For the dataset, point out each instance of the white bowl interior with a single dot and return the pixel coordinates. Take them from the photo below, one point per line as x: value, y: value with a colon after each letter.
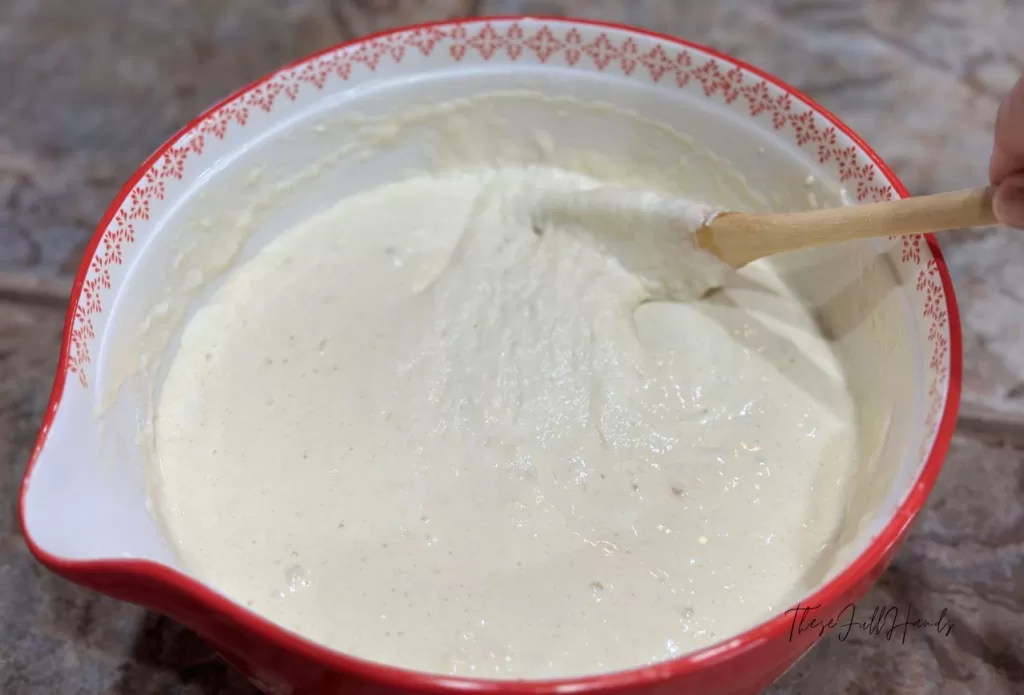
x: 87, y: 497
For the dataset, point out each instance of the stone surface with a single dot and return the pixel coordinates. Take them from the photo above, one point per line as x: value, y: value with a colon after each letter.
x: 87, y: 90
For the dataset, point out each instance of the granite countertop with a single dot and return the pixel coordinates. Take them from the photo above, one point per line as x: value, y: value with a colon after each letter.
x: 88, y: 90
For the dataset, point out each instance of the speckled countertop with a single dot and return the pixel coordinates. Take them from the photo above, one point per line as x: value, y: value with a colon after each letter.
x: 89, y: 89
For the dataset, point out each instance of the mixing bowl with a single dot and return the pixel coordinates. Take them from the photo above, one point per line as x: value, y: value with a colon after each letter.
x: 175, y: 226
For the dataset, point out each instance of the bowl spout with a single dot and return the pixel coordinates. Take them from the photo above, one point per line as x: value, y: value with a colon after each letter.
x: 84, y: 494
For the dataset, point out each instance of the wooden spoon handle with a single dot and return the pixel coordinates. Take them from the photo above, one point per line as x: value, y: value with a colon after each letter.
x: 738, y: 238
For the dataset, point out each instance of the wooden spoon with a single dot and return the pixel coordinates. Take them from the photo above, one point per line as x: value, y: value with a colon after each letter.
x: 739, y: 238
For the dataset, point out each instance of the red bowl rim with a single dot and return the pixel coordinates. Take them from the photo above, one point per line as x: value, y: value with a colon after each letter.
x: 93, y: 572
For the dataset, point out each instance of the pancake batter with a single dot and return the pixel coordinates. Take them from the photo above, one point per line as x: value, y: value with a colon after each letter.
x: 441, y: 428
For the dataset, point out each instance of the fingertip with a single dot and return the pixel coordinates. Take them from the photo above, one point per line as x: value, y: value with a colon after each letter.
x: 1008, y: 202
x: 1008, y: 151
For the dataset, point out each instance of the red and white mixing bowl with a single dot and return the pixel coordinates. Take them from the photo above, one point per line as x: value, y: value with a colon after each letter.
x: 889, y: 303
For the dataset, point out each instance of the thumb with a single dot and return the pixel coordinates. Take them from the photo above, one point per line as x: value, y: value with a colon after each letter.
x: 1008, y: 201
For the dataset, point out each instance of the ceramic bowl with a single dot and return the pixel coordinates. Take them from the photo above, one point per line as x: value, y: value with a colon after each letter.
x: 889, y: 305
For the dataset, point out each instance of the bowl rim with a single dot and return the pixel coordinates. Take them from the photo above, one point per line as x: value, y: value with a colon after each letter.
x: 98, y: 572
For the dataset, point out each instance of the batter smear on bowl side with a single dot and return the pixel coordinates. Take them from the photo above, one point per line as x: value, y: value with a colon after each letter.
x: 432, y: 428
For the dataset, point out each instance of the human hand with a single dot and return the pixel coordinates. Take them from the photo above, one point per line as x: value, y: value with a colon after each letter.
x: 1006, y: 168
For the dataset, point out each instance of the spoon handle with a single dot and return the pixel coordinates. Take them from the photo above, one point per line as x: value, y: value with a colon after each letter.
x: 738, y: 238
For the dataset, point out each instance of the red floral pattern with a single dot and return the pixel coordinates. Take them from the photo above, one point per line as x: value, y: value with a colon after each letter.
x: 585, y: 48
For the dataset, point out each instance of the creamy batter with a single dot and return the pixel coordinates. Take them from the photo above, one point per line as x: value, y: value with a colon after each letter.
x: 442, y: 427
